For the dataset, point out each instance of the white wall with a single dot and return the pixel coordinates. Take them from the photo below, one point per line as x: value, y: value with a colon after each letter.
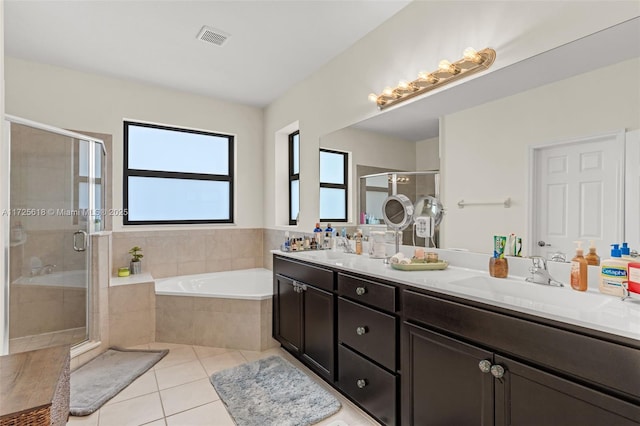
x: 485, y: 155
x: 417, y: 37
x: 83, y: 101
x: 428, y: 154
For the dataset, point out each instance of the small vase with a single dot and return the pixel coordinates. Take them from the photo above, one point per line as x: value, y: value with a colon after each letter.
x: 136, y: 267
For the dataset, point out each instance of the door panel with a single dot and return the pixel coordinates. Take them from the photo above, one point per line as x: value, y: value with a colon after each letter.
x: 579, y: 194
x: 527, y: 396
x: 318, y: 330
x: 632, y: 189
x: 288, y: 328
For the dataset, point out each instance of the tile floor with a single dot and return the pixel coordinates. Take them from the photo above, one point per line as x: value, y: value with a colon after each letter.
x: 177, y: 392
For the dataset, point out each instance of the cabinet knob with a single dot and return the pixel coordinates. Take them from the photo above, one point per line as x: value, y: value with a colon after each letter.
x: 497, y: 371
x: 361, y: 383
x: 361, y: 331
x: 485, y: 366
x: 360, y: 291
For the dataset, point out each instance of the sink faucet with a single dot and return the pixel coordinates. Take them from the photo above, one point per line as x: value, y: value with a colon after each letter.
x: 42, y: 270
x: 540, y: 274
x: 344, y: 243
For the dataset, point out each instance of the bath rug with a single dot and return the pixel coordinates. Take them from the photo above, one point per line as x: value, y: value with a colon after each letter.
x: 103, y: 377
x: 271, y: 391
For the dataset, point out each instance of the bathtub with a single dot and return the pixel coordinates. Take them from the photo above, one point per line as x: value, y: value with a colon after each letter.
x: 74, y: 279
x: 246, y: 284
x: 230, y: 309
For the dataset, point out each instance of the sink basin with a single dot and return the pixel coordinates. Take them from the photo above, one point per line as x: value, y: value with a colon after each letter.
x: 525, y: 294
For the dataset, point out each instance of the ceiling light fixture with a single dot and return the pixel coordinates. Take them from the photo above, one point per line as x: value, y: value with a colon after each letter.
x: 471, y: 63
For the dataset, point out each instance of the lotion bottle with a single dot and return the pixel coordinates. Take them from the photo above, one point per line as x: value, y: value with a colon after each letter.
x: 579, y: 269
x: 613, y: 272
x: 592, y: 257
x: 359, y: 242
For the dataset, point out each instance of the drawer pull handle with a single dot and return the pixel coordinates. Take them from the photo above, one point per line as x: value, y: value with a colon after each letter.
x: 361, y: 383
x: 360, y: 331
x: 497, y: 371
x: 360, y: 291
x: 485, y: 366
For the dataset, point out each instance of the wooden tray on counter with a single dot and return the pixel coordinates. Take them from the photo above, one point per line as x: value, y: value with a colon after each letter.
x: 437, y: 266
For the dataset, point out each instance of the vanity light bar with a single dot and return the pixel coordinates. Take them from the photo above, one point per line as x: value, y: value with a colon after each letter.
x: 471, y: 63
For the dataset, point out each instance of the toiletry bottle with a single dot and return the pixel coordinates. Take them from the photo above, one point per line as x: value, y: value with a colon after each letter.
x: 579, y: 269
x: 359, y: 243
x: 626, y: 252
x: 613, y: 272
x: 329, y: 228
x: 317, y: 235
x: 592, y: 257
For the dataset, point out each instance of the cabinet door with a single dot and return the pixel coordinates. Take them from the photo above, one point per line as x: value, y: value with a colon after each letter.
x: 528, y: 396
x: 287, y: 314
x: 319, y: 337
x: 442, y: 381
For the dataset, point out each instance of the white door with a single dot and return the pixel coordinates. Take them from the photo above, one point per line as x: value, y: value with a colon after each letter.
x: 632, y: 190
x: 578, y: 195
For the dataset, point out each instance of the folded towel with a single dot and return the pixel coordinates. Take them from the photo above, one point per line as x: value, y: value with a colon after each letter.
x: 396, y: 258
x: 405, y: 261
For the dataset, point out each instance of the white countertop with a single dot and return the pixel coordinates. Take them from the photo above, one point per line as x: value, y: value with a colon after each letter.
x: 589, y: 309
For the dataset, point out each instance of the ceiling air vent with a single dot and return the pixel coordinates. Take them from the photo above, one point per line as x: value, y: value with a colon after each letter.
x: 212, y: 35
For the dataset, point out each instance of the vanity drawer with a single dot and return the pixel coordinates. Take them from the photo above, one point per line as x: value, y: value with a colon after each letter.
x: 308, y: 274
x: 371, y: 293
x: 369, y: 385
x: 370, y: 332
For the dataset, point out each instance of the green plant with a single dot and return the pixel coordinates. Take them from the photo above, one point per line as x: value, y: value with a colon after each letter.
x: 135, y: 254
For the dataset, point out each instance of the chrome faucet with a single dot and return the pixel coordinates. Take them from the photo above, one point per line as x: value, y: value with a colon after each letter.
x: 344, y: 243
x: 540, y: 274
x: 42, y: 270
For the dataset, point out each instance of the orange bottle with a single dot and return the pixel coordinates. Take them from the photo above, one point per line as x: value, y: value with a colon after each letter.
x: 579, y: 269
x: 592, y: 257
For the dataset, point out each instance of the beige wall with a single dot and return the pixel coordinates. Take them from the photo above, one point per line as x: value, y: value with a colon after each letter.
x: 416, y: 37
x: 486, y: 149
x: 428, y: 154
x: 4, y: 189
x: 78, y: 100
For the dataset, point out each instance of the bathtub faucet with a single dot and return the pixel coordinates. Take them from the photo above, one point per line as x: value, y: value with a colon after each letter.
x: 42, y: 270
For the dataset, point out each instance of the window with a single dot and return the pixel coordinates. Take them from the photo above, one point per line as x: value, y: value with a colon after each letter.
x: 333, y: 186
x: 294, y: 177
x: 176, y: 176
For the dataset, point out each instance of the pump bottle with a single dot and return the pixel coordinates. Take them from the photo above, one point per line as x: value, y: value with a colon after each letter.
x: 592, y: 257
x: 579, y: 269
x: 613, y: 272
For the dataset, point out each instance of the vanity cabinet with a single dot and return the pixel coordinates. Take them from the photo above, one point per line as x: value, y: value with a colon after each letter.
x: 303, y: 314
x: 367, y: 345
x: 515, y: 374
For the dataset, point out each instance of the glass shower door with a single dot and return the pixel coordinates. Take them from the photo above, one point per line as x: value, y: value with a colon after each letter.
x: 52, y: 206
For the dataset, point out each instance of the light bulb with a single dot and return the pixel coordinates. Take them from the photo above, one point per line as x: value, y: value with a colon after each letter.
x: 388, y: 91
x: 403, y: 85
x: 470, y: 54
x: 444, y: 65
x: 373, y: 97
x: 423, y: 75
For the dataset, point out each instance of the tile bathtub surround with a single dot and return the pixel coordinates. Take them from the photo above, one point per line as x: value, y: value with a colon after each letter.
x: 177, y: 391
x: 132, y: 314
x: 172, y: 253
x: 210, y: 321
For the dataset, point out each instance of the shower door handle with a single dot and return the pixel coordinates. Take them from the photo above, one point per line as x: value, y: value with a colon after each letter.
x: 83, y: 245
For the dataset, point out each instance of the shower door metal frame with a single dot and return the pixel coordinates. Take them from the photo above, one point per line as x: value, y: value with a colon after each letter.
x: 5, y: 159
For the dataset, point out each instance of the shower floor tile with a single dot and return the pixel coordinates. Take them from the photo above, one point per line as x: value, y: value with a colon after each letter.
x: 186, y: 398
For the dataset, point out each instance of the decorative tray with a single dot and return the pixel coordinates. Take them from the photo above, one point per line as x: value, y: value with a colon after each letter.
x: 421, y: 266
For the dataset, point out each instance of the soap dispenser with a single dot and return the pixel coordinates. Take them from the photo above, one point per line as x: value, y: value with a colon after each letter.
x: 592, y: 257
x: 579, y: 269
x: 613, y: 272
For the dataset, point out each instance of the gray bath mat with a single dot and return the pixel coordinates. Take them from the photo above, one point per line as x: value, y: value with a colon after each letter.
x: 271, y: 392
x: 103, y: 377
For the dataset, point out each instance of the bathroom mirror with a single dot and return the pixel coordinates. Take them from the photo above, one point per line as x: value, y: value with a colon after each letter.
x: 429, y: 207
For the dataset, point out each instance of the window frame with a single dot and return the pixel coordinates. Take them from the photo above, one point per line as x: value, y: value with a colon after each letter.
x: 345, y: 186
x: 293, y: 176
x: 127, y: 172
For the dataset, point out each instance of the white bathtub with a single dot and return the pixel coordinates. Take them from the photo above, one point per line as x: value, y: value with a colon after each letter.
x: 75, y: 279
x: 247, y: 284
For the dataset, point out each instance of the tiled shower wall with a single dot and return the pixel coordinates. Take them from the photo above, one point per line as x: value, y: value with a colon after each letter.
x: 186, y: 252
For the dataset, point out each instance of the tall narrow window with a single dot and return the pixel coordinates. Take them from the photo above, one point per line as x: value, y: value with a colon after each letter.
x: 333, y: 185
x: 294, y: 177
x: 175, y: 176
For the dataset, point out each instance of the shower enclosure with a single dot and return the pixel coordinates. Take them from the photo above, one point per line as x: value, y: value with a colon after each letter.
x: 55, y: 200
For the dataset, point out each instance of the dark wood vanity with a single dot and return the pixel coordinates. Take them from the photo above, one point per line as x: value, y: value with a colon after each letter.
x: 410, y: 356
